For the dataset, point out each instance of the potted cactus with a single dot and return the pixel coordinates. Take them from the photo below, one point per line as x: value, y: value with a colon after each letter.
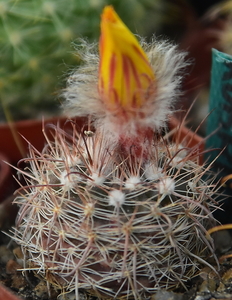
x: 117, y: 208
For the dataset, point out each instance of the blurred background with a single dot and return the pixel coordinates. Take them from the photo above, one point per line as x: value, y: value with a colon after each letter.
x: 37, y: 39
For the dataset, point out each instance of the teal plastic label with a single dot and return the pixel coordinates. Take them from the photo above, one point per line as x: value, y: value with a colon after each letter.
x: 219, y: 124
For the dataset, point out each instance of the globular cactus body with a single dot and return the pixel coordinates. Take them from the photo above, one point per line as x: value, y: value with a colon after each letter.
x: 96, y: 219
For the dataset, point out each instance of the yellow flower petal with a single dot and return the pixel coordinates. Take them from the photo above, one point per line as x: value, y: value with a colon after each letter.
x: 125, y: 74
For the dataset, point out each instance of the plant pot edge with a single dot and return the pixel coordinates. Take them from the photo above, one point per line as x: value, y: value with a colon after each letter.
x: 7, y: 294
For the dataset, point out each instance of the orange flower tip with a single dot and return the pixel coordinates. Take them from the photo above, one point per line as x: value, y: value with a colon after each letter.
x: 109, y: 14
x: 125, y: 74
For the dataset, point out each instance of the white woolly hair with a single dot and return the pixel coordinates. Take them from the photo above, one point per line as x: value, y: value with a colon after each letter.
x: 82, y: 98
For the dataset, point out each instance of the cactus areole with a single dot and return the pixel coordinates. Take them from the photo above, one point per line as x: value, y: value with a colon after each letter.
x: 117, y: 210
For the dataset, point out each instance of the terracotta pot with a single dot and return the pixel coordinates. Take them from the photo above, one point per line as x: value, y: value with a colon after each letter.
x: 14, y: 145
x: 15, y: 139
x: 15, y: 136
x: 5, y: 175
x: 188, y: 138
x: 6, y: 294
